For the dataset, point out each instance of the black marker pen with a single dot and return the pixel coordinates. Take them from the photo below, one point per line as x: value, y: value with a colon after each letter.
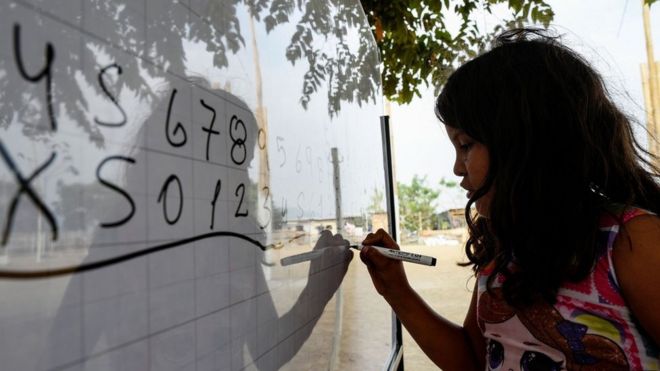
x: 390, y: 253
x: 401, y: 255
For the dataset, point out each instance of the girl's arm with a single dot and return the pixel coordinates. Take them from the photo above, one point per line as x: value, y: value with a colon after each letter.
x: 636, y: 259
x: 449, y: 346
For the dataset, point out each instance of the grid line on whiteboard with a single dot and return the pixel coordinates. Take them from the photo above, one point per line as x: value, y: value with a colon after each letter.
x: 151, y: 334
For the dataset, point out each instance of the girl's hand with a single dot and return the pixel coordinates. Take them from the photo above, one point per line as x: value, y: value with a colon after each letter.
x: 387, y: 274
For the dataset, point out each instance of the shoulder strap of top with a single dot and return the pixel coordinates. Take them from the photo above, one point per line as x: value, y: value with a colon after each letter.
x: 617, y: 213
x: 611, y: 225
x: 632, y: 212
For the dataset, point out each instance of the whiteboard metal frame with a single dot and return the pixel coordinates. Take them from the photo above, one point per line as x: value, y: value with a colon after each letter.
x: 395, y: 361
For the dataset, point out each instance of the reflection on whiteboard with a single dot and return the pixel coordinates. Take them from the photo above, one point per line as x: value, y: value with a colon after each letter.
x: 158, y: 159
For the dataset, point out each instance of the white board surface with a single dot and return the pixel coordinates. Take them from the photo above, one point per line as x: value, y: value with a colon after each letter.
x: 160, y: 158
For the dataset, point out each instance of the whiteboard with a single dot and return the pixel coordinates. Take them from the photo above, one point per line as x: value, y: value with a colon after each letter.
x: 160, y: 158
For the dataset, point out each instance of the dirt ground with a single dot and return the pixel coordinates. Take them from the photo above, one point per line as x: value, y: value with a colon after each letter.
x: 447, y: 289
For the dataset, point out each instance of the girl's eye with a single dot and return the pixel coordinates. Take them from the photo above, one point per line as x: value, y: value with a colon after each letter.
x: 465, y: 146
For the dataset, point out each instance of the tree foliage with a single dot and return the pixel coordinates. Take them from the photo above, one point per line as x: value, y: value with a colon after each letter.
x: 376, y: 202
x: 416, y: 204
x: 412, y: 35
x: 417, y: 47
x: 448, y: 184
x: 348, y: 71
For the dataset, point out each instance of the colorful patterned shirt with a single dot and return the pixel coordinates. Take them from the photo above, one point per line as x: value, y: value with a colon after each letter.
x: 588, y: 328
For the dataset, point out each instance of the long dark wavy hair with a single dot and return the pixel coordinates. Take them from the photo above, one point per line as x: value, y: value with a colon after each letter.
x: 561, y: 153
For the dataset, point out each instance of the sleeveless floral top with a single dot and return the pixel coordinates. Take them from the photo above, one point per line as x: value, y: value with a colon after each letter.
x: 588, y: 328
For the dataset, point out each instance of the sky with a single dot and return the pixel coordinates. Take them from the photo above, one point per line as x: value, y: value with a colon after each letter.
x: 609, y: 33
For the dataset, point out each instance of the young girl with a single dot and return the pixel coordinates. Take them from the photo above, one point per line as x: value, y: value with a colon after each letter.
x: 565, y: 241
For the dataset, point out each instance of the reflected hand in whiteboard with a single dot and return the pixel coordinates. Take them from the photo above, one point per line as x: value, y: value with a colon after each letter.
x: 328, y: 271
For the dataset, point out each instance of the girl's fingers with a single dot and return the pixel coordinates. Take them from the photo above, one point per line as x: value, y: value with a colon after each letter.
x: 373, y: 258
x: 373, y: 238
x: 380, y: 238
x: 364, y: 259
x: 388, y: 242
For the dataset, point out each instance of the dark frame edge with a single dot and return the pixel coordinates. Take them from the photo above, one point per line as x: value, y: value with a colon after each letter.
x: 395, y: 361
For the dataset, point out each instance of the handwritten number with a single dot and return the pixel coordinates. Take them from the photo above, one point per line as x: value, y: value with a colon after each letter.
x: 301, y: 211
x: 218, y: 185
x: 285, y: 211
x: 308, y: 155
x: 46, y: 72
x: 162, y: 196
x: 209, y: 130
x: 267, y: 208
x: 298, y: 162
x: 238, y: 148
x: 280, y: 148
x: 111, y: 97
x: 238, y: 213
x: 177, y: 128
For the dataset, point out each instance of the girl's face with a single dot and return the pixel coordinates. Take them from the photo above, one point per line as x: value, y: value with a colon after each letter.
x: 471, y: 163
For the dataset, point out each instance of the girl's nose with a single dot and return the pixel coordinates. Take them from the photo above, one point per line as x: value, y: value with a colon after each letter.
x: 459, y: 169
